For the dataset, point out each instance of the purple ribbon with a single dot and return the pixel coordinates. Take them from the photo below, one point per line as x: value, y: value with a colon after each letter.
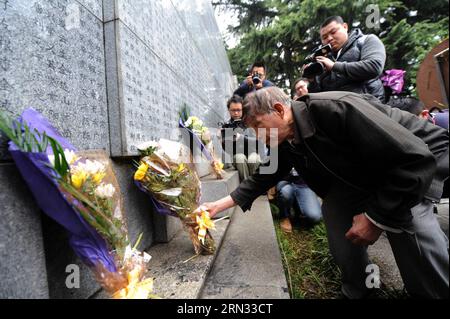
x: 35, y: 170
x: 199, y: 143
x: 394, y: 79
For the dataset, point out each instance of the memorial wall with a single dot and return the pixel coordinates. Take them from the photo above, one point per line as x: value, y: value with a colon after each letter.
x: 109, y: 75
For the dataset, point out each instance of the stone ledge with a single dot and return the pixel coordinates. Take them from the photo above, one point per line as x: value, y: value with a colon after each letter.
x: 249, y: 264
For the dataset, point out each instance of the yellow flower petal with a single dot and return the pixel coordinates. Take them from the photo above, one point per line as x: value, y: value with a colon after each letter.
x: 135, y: 289
x: 141, y: 171
x: 97, y: 178
x: 218, y: 166
x: 78, y: 179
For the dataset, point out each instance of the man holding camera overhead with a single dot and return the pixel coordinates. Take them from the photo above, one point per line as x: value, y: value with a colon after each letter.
x: 346, y: 61
x: 255, y: 80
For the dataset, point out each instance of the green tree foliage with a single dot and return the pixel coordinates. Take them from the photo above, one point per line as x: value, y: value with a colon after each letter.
x: 407, y: 45
x: 283, y: 32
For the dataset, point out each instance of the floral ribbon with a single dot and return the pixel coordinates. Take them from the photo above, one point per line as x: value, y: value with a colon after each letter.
x: 204, y: 223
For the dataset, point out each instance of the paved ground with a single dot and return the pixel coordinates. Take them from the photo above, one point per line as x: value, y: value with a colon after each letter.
x: 381, y: 253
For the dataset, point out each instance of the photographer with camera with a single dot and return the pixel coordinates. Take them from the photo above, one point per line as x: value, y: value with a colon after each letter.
x: 255, y: 80
x: 244, y: 153
x: 346, y: 62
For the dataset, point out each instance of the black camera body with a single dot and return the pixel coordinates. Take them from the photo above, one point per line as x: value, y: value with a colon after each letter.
x: 313, y: 67
x: 233, y: 124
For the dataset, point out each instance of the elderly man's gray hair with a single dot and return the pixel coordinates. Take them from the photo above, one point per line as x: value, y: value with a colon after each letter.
x: 262, y: 102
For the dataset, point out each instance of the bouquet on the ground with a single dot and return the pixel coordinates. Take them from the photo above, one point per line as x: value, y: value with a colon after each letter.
x: 202, y: 139
x: 80, y: 192
x: 175, y: 189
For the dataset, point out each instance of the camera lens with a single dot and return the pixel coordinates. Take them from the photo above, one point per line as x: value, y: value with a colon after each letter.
x: 256, y: 79
x: 313, y: 69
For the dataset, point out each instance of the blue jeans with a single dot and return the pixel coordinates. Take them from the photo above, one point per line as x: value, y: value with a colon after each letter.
x: 301, y: 197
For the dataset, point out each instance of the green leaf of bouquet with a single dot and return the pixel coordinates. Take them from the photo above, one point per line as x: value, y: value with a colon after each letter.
x: 6, y: 127
x: 64, y: 164
x: 57, y: 164
x: 114, y: 234
x: 18, y: 134
x: 138, y: 241
x: 44, y: 144
x: 184, y: 112
x: 35, y: 141
x: 61, y: 165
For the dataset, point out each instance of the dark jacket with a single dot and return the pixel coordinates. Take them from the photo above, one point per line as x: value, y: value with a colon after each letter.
x: 244, y: 88
x: 395, y: 158
x: 357, y: 69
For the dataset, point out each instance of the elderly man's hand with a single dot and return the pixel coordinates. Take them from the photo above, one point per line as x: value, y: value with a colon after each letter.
x: 212, y: 208
x: 215, y: 207
x: 326, y: 62
x: 363, y: 232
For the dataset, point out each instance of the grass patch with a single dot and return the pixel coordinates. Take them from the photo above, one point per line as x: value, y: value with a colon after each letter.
x: 310, y: 270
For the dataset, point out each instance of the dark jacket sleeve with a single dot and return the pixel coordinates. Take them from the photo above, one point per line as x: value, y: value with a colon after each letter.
x: 259, y: 183
x: 403, y: 163
x: 314, y: 86
x: 242, y: 90
x: 267, y: 83
x: 370, y: 65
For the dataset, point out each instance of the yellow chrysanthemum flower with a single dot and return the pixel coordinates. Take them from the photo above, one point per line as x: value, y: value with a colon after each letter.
x: 98, y: 177
x: 141, y: 171
x: 78, y: 179
x: 218, y: 165
x: 181, y: 167
x: 135, y: 289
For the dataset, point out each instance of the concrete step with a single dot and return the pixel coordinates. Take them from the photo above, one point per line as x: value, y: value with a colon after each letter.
x: 249, y: 263
x: 175, y: 277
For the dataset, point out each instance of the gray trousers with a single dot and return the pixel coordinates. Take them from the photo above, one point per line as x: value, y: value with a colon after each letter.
x: 246, y: 166
x: 422, y: 257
